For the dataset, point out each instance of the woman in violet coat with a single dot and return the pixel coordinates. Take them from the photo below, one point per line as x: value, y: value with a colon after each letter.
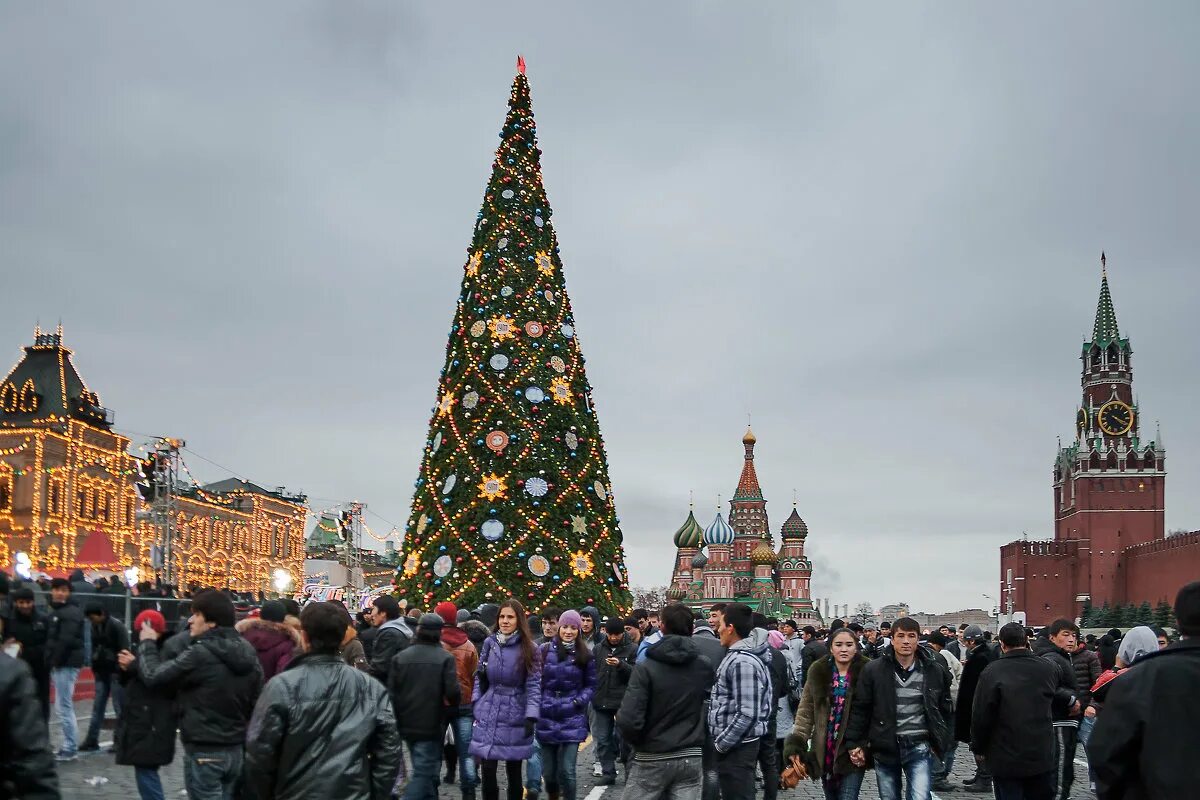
x: 568, y: 683
x: 508, y: 694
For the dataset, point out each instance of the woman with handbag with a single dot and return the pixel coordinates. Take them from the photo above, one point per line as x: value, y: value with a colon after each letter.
x: 568, y: 684
x: 508, y: 696
x: 817, y: 736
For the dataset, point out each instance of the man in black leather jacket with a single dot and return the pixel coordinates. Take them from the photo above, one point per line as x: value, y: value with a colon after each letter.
x: 321, y: 727
x: 26, y: 763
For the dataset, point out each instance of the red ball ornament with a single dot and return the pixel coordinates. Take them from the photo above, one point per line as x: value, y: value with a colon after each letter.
x: 520, y: 574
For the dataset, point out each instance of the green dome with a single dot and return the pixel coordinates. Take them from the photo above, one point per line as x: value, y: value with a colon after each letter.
x: 690, y: 534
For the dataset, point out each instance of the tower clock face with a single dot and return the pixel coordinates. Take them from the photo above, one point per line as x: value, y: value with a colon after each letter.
x: 1116, y: 418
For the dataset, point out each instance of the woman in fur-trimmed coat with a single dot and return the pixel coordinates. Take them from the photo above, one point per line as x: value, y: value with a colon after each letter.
x: 275, y: 642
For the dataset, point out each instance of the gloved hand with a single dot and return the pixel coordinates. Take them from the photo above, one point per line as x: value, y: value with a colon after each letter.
x: 794, y: 745
x: 529, y: 723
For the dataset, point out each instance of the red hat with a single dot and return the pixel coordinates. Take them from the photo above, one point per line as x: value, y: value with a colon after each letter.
x: 156, y: 620
x: 447, y: 611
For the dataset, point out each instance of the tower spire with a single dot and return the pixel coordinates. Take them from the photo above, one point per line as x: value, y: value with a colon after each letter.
x: 1105, y: 328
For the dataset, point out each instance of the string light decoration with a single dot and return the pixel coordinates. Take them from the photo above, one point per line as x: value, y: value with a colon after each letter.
x: 513, y: 485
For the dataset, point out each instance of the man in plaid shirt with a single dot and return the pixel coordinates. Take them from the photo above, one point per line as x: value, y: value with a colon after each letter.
x: 740, y: 706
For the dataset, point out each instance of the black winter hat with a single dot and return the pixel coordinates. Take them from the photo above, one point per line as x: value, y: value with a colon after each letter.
x: 614, y: 625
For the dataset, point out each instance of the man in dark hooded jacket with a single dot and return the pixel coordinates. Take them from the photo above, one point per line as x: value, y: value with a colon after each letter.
x: 979, y: 655
x: 1056, y: 646
x: 65, y: 654
x: 218, y: 679
x: 615, y: 657
x: 1143, y: 745
x: 662, y: 715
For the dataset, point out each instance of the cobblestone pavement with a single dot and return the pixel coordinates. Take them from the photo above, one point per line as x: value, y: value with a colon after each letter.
x: 97, y: 776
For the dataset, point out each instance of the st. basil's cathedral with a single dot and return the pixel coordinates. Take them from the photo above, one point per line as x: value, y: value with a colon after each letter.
x: 741, y: 564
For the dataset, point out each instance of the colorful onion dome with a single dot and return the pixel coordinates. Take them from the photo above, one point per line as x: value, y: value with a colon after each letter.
x: 676, y: 593
x: 719, y: 531
x: 700, y: 560
x: 690, y: 534
x: 794, y: 527
x: 762, y: 553
x: 749, y: 438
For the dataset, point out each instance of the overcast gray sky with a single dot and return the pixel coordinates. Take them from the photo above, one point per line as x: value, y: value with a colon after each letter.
x: 875, y: 227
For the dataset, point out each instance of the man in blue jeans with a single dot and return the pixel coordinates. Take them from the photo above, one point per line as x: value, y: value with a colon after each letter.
x: 109, y: 638
x: 217, y: 678
x: 423, y: 685
x: 65, y: 656
x: 902, y: 714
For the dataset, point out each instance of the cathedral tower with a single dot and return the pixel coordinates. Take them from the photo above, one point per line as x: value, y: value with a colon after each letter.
x: 748, y: 518
x: 1108, y: 483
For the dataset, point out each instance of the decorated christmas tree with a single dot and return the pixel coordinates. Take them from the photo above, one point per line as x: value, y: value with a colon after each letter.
x: 513, y: 496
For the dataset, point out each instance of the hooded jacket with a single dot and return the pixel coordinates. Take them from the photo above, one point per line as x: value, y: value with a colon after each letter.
x: 663, y: 710
x: 977, y: 660
x: 394, y: 635
x: 33, y: 632
x: 741, y: 702
x: 1143, y: 744
x: 422, y: 682
x: 1087, y: 671
x: 145, y: 735
x: 477, y: 632
x: 812, y: 715
x: 26, y: 762
x: 466, y: 659
x: 1011, y: 719
x: 708, y: 645
x: 597, y: 629
x: 612, y: 681
x: 108, y: 638
x: 513, y: 695
x: 276, y: 643
x: 567, y: 689
x: 64, y: 644
x: 872, y: 720
x: 217, y: 679
x: 1067, y: 693
x: 322, y: 729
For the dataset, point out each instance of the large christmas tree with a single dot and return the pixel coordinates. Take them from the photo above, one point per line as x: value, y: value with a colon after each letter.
x: 513, y: 497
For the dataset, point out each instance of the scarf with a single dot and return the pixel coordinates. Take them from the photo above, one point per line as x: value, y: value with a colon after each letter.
x: 839, y: 687
x: 503, y: 638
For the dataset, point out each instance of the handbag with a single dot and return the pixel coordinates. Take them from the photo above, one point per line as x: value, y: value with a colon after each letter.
x: 794, y: 773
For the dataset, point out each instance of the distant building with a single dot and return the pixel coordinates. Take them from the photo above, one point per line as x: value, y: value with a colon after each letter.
x: 69, y: 492
x: 741, y: 565
x: 1109, y: 501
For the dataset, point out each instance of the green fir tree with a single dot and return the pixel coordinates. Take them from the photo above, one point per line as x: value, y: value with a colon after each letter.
x: 1162, y: 614
x: 1104, y: 616
x: 1145, y: 614
x: 1086, y: 615
x: 513, y: 496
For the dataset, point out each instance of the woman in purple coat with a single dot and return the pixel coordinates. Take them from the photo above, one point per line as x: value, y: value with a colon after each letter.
x: 568, y: 683
x: 508, y: 693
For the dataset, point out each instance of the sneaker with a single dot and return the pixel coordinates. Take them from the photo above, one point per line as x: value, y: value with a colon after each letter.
x: 983, y: 786
x: 64, y: 756
x: 942, y: 785
x: 597, y: 770
x: 89, y: 747
x: 606, y: 780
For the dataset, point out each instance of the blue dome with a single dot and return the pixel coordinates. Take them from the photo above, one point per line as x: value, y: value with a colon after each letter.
x: 719, y: 532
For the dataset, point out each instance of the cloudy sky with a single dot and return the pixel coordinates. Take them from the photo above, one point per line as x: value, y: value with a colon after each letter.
x: 875, y: 228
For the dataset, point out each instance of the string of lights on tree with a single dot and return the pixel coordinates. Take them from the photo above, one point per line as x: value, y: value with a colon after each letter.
x: 513, y: 496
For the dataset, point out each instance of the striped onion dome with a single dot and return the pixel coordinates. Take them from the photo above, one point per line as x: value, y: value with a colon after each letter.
x: 719, y: 531
x: 762, y: 553
x: 675, y: 593
x: 794, y: 527
x: 690, y: 534
x: 700, y: 560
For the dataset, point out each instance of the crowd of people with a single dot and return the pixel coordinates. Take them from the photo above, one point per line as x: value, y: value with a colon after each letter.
x: 299, y: 703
